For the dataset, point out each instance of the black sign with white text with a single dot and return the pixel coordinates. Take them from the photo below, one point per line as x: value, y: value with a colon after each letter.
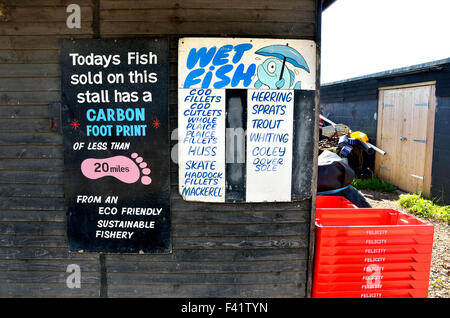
x: 115, y: 123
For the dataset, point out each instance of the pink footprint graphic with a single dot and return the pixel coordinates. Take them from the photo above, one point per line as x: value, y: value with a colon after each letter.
x: 122, y: 168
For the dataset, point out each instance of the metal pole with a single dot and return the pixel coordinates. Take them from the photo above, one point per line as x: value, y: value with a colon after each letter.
x: 368, y: 143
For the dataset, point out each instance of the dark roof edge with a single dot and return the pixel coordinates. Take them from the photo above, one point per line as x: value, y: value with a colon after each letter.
x: 397, y: 71
x: 327, y: 3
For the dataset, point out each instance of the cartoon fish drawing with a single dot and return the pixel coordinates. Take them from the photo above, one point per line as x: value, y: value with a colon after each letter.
x: 273, y: 72
x: 269, y: 74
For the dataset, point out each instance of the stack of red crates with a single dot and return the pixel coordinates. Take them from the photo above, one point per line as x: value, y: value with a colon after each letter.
x: 370, y: 253
x: 325, y: 201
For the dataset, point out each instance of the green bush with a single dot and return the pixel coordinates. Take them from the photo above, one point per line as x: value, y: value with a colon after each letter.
x: 423, y: 207
x: 373, y: 183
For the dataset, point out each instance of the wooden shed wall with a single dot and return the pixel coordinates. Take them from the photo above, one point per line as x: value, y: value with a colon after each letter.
x: 218, y: 249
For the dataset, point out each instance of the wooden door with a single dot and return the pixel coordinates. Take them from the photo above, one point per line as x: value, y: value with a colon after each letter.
x: 405, y: 132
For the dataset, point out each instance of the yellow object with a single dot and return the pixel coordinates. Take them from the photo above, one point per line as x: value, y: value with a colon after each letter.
x: 359, y: 135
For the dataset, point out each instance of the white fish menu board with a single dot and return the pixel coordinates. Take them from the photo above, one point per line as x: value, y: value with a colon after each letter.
x: 240, y: 104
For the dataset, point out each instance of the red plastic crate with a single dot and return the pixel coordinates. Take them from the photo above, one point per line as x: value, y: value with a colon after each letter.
x: 371, y: 241
x: 370, y: 223
x: 370, y: 276
x: 368, y: 268
x: 380, y: 232
x: 330, y: 201
x: 373, y: 250
x: 371, y: 285
x: 373, y: 259
x: 398, y: 293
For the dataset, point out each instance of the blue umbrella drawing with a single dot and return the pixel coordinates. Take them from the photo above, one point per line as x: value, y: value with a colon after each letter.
x: 285, y: 53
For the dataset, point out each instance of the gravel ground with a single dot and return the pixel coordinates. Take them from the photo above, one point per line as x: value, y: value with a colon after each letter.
x: 440, y: 263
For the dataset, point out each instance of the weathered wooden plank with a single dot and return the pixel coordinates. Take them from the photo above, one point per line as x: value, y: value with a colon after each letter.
x: 184, y: 206
x: 28, y: 56
x: 44, y: 28
x: 38, y: 177
x: 52, y: 265
x: 31, y: 152
x: 23, y: 70
x: 40, y: 42
x: 305, y: 30
x: 42, y: 3
x: 30, y: 84
x: 206, y: 267
x: 219, y: 255
x: 208, y: 14
x: 42, y: 253
x: 240, y: 230
x: 215, y: 217
x: 32, y: 241
x: 25, y: 125
x: 173, y: 99
x: 33, y: 228
x: 38, y: 204
x: 269, y: 290
x: 307, y: 5
x: 31, y: 111
x: 32, y: 164
x: 45, y: 14
x: 241, y: 243
x: 30, y: 139
x: 205, y: 279
x: 31, y: 190
x: 48, y: 290
x: 213, y: 243
x: 32, y: 216
x: 174, y: 178
x: 178, y: 204
x: 24, y: 98
x: 45, y: 277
